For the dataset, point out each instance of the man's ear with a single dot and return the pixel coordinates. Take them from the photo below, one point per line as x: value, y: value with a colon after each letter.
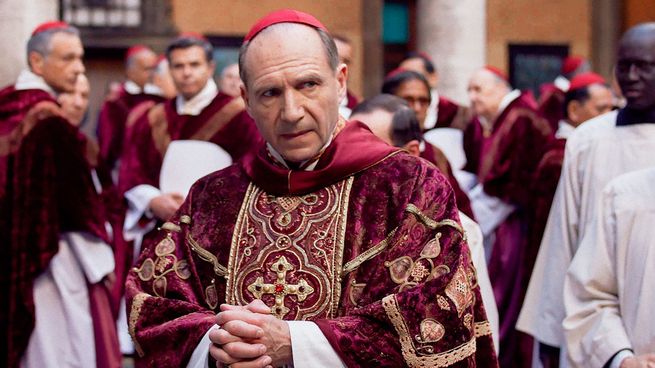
x: 413, y: 147
x: 244, y: 95
x: 342, y: 78
x: 36, y: 62
x: 573, y: 111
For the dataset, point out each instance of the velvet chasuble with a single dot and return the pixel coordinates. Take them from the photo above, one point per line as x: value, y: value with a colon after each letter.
x: 368, y: 246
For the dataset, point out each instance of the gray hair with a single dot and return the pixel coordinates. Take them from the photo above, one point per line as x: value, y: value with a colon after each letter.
x: 328, y: 45
x: 41, y: 42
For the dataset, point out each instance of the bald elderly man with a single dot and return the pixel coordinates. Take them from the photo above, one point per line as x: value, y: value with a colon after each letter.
x: 325, y: 247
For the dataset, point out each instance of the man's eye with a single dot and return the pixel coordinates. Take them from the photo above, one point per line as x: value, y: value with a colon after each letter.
x: 269, y: 93
x: 310, y: 84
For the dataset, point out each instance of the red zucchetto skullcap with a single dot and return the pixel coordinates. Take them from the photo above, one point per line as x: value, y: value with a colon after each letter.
x: 135, y: 50
x: 283, y: 16
x: 194, y: 35
x: 585, y: 80
x: 47, y: 26
x: 395, y: 72
x: 497, y: 72
x: 571, y: 63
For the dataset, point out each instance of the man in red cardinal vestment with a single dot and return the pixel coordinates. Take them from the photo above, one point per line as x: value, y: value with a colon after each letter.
x: 325, y: 247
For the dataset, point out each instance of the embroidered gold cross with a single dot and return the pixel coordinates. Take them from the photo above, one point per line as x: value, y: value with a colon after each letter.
x: 280, y: 288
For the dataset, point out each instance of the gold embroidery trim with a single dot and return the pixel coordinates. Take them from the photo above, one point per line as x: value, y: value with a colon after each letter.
x: 137, y: 304
x: 235, y: 240
x: 411, y: 208
x: 169, y: 226
x: 368, y: 254
x: 482, y: 328
x: 339, y: 247
x: 410, y: 355
x: 207, y: 256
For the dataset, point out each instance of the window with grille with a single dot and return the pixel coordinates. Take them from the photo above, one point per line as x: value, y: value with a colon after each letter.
x: 103, y: 13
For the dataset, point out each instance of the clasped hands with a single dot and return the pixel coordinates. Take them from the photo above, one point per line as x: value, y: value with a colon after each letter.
x: 250, y: 337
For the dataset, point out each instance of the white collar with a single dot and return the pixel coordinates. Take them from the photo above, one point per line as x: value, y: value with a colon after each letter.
x: 433, y: 110
x: 564, y: 130
x: 344, y: 110
x: 152, y: 89
x: 131, y: 87
x: 28, y: 80
x: 197, y: 103
x: 508, y: 99
x: 511, y: 96
x: 562, y: 83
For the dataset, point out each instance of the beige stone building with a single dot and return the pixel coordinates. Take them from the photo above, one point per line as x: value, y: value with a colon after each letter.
x: 462, y: 35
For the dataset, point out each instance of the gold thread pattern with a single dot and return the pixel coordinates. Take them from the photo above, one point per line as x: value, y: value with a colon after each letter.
x: 432, y: 224
x: 165, y: 263
x: 410, y: 352
x: 135, y: 312
x: 207, y: 256
x: 482, y: 328
x: 459, y: 290
x: 368, y: 254
x: 288, y: 251
x: 169, y: 226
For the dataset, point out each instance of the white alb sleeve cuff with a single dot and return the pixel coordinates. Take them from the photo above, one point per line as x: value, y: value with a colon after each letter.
x: 618, y: 358
x: 138, y: 200
x: 489, y: 211
x: 200, y: 356
x: 310, y: 348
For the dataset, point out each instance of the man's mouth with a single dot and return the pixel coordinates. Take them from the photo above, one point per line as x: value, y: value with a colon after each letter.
x: 294, y: 135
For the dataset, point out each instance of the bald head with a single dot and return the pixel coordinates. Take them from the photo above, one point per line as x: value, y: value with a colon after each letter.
x: 285, y: 30
x: 635, y: 67
x: 140, y: 65
x: 486, y: 90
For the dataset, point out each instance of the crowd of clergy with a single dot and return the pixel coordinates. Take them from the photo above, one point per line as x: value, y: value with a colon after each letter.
x: 325, y: 230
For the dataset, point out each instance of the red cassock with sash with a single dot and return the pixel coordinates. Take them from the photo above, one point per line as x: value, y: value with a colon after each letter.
x: 451, y: 115
x: 368, y: 245
x: 224, y: 122
x: 439, y: 159
x: 551, y: 104
x: 46, y: 189
x: 112, y: 122
x: 505, y: 159
x: 544, y: 186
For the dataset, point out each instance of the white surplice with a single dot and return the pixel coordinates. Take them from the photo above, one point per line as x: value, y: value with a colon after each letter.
x: 609, y: 290
x: 596, y: 152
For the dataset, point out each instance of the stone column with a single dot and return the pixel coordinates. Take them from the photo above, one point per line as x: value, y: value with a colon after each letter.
x: 17, y: 20
x: 454, y: 34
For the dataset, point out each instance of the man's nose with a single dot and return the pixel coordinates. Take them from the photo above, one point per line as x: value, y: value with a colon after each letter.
x: 292, y: 108
x: 78, y: 66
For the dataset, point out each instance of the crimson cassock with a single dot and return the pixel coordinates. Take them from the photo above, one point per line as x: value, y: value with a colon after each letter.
x: 439, y: 159
x: 551, y: 104
x: 352, y: 100
x: 46, y: 189
x: 544, y: 186
x: 368, y: 246
x: 451, y: 115
x: 224, y: 122
x: 504, y: 159
x: 112, y: 122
